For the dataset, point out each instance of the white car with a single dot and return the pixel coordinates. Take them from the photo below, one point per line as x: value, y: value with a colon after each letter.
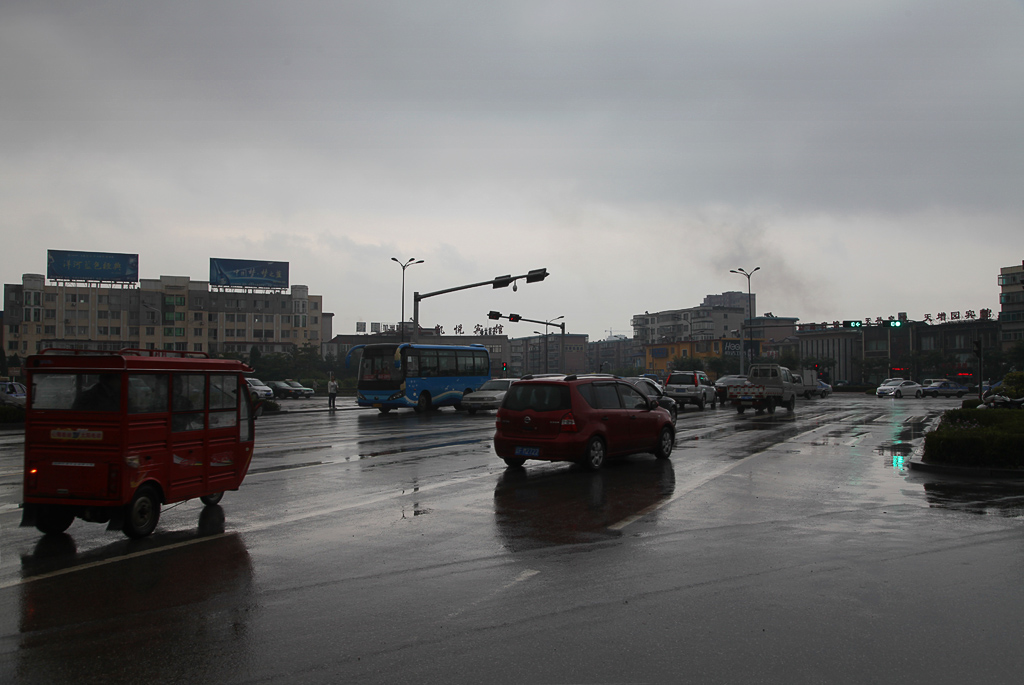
x: 899, y: 388
x: 259, y: 390
x: 489, y: 396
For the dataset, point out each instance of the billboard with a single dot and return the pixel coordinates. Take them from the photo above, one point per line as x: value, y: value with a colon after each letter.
x: 67, y: 265
x: 247, y: 273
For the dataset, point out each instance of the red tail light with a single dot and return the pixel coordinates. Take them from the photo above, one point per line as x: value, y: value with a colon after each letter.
x: 569, y: 424
x: 696, y: 381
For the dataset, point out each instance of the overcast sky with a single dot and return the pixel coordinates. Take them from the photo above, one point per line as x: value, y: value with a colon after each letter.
x: 868, y: 156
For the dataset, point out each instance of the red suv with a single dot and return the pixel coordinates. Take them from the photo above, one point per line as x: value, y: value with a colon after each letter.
x: 579, y: 418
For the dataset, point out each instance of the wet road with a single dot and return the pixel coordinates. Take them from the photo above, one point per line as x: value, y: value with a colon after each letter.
x: 368, y: 548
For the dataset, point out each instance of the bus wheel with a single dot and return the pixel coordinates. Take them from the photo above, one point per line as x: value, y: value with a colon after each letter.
x: 142, y: 513
x: 210, y: 500
x: 423, y: 404
x: 52, y: 520
x: 384, y: 410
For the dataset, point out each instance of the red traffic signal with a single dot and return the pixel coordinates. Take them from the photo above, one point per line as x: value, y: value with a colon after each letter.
x: 493, y: 315
x: 514, y: 318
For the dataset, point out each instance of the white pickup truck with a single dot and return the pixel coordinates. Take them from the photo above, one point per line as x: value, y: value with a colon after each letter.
x: 768, y: 386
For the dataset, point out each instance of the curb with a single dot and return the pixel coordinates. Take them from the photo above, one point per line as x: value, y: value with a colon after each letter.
x: 968, y: 471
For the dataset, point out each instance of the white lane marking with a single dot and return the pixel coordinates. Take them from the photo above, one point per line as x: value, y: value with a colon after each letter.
x: 104, y: 562
x: 522, y: 577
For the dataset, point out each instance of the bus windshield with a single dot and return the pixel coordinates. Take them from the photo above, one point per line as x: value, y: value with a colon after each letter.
x: 379, y: 365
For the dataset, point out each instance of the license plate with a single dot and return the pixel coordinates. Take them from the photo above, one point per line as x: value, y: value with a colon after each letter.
x: 378, y: 405
x: 527, y: 451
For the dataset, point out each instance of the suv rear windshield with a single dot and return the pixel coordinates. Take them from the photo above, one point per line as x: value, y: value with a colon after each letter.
x: 538, y: 397
x: 680, y: 379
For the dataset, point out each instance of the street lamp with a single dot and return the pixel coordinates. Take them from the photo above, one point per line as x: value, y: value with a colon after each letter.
x: 561, y: 347
x: 406, y: 265
x: 545, y: 349
x: 750, y: 312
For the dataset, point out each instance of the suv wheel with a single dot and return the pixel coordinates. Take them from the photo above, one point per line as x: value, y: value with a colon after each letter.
x: 593, y: 458
x: 700, y: 403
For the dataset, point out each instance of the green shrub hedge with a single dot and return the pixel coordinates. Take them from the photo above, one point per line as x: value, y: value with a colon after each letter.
x: 989, y: 438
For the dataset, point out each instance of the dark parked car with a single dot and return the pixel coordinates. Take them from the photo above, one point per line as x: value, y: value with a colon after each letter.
x: 284, y: 390
x: 945, y: 389
x: 305, y: 393
x: 653, y: 390
x: 583, y: 419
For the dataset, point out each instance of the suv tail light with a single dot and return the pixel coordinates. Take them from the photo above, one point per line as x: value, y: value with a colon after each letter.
x: 696, y: 381
x: 569, y: 424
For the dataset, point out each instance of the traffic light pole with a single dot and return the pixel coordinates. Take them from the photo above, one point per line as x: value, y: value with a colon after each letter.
x: 498, y: 282
x: 514, y: 318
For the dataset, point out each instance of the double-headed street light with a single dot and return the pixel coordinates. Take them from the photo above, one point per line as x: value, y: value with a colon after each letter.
x: 406, y: 265
x: 750, y: 313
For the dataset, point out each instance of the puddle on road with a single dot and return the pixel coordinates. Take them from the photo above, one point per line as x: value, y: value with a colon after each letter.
x: 993, y: 499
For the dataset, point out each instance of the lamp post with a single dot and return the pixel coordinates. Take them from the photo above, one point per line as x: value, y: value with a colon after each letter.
x: 750, y: 312
x: 406, y: 265
x: 561, y: 347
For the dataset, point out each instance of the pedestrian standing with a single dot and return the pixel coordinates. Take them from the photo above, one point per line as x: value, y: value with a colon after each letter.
x: 332, y: 392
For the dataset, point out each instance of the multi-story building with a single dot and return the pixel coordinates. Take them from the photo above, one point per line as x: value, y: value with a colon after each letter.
x: 1011, y: 305
x: 168, y: 313
x: 733, y: 298
x: 615, y: 353
x: 541, y: 354
x: 706, y: 322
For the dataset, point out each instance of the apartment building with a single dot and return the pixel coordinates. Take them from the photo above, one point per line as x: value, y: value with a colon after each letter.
x: 168, y: 313
x: 1011, y: 305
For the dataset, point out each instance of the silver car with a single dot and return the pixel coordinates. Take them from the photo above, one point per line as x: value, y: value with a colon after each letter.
x: 489, y: 396
x: 12, y: 393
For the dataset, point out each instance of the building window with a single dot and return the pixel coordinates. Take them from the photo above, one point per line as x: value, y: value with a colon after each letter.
x: 150, y: 330
x: 133, y: 331
x: 115, y: 330
x: 168, y: 332
x: 83, y: 330
x: 103, y: 330
x: 198, y: 316
x: 49, y: 313
x: 197, y: 331
x: 179, y: 332
x: 197, y: 347
x: 103, y: 314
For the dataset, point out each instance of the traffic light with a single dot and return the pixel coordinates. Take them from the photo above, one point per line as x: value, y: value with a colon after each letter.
x: 853, y: 324
x: 514, y: 318
x: 493, y: 315
x: 892, y: 323
x: 977, y: 348
x: 502, y: 281
x: 504, y: 369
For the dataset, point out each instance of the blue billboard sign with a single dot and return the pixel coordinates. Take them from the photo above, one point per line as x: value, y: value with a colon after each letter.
x: 67, y: 265
x: 247, y: 273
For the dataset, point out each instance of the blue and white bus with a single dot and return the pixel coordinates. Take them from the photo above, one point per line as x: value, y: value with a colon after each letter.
x: 393, y: 375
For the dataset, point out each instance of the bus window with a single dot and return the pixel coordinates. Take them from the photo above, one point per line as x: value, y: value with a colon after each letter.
x: 428, y: 363
x: 189, y: 402
x: 446, y: 365
x: 466, y: 365
x: 412, y: 364
x: 223, y: 401
x: 481, y: 363
x: 147, y: 393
